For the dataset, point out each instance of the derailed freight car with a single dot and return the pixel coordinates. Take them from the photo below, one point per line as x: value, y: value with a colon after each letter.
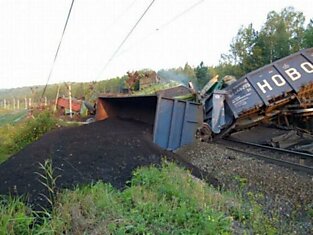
x: 173, y: 122
x: 283, y: 89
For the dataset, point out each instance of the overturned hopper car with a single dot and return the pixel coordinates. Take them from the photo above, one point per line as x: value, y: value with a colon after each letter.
x: 281, y: 91
x: 173, y: 122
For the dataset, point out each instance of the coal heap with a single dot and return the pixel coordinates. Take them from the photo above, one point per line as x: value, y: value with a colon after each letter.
x: 107, y: 150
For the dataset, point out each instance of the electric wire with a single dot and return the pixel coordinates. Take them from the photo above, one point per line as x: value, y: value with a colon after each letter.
x: 169, y: 22
x: 125, y: 39
x: 180, y: 14
x: 120, y: 16
x: 58, y: 48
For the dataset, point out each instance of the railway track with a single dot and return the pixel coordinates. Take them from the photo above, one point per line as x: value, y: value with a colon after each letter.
x: 297, y: 161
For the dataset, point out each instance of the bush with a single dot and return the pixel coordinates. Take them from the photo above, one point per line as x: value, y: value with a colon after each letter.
x: 32, y: 130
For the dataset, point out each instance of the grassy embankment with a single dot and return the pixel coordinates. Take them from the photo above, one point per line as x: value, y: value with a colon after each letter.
x: 159, y: 201
x: 16, y: 132
x: 165, y: 200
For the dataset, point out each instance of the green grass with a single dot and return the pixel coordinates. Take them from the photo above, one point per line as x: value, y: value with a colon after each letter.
x: 15, y: 217
x: 151, y: 90
x: 4, y: 156
x: 6, y: 140
x: 32, y: 130
x: 11, y: 117
x: 9, y: 123
x: 165, y: 200
x: 14, y: 137
x: 159, y: 201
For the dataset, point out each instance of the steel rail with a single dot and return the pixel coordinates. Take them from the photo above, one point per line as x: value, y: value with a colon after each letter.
x: 287, y: 164
x: 279, y: 162
x: 272, y: 148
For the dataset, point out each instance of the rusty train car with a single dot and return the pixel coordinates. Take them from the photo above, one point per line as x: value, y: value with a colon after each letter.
x: 282, y: 90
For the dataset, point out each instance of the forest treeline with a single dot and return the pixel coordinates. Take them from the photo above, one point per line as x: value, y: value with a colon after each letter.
x: 282, y: 34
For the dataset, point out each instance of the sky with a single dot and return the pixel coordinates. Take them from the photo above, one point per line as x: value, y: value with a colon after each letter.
x: 172, y: 33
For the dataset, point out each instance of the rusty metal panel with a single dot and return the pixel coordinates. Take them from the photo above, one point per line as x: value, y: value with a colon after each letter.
x: 176, y: 122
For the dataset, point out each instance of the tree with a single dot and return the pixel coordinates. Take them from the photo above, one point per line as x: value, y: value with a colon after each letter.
x: 308, y: 35
x: 189, y: 72
x: 282, y: 40
x: 202, y: 74
x: 281, y: 35
x: 224, y: 69
x: 245, y: 53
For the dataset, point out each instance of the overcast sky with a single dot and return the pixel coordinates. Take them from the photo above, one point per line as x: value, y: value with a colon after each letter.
x: 168, y: 36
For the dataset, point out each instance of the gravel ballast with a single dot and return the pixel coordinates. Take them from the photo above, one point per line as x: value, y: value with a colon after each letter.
x: 285, y: 193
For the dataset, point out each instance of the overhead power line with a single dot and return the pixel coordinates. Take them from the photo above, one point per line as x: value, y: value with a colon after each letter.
x: 58, y: 48
x: 125, y: 39
x: 180, y: 14
x: 120, y: 16
x: 172, y: 20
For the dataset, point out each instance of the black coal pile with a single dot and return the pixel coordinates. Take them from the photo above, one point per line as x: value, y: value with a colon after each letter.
x: 106, y: 150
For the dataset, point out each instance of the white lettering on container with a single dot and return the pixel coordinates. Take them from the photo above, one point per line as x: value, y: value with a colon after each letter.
x: 307, y: 67
x: 264, y: 85
x: 293, y: 74
x: 278, y: 80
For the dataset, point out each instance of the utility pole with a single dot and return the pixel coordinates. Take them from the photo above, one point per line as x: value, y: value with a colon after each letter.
x: 18, y: 104
x: 56, y: 99
x: 25, y: 100
x: 68, y: 86
x: 70, y: 99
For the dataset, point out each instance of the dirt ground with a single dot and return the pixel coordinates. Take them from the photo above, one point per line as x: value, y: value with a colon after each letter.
x: 107, y: 150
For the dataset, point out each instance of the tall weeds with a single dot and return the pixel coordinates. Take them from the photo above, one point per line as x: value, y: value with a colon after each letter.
x: 48, y: 179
